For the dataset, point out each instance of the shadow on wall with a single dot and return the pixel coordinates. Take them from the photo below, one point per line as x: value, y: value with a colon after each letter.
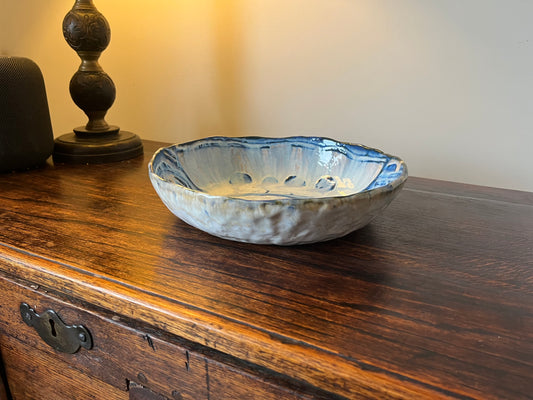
x: 228, y: 67
x: 194, y: 82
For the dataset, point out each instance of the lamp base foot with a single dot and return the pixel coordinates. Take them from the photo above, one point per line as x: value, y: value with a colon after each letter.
x: 97, y: 149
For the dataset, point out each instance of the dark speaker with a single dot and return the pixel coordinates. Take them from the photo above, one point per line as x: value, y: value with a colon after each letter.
x: 26, y: 138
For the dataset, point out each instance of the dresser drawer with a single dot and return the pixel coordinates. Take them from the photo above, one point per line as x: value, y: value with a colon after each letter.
x: 119, y: 354
x: 124, y: 362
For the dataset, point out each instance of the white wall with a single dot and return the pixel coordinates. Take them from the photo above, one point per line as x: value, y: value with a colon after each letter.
x: 446, y: 84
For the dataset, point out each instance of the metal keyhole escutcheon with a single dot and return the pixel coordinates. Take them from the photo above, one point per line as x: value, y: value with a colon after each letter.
x: 63, y: 338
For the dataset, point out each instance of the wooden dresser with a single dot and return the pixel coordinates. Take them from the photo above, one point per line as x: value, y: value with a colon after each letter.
x: 106, y: 295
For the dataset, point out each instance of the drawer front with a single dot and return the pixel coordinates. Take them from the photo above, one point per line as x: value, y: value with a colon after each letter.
x: 119, y: 354
x: 121, y: 357
x: 38, y: 375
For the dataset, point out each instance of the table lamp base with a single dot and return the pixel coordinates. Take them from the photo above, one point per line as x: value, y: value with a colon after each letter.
x: 97, y: 149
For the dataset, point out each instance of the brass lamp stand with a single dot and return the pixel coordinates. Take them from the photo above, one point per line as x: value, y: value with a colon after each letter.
x: 87, y: 31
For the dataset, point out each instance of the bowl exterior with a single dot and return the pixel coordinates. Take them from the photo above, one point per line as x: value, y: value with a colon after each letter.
x: 273, y: 222
x: 281, y: 222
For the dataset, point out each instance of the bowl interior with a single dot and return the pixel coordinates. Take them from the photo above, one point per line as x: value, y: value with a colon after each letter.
x: 274, y: 168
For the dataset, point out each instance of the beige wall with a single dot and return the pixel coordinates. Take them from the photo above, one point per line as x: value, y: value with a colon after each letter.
x: 447, y: 85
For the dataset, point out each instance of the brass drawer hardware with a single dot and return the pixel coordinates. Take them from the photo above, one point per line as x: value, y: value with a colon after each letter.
x: 63, y: 338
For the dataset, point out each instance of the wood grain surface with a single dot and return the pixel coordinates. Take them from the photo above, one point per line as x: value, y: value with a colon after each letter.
x: 433, y: 299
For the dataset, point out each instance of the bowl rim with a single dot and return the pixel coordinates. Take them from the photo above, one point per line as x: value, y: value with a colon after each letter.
x: 390, y: 187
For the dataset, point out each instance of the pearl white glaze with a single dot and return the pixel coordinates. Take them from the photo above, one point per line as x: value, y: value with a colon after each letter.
x: 275, y: 190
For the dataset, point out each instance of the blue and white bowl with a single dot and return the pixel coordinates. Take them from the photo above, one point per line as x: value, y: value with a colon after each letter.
x: 281, y: 191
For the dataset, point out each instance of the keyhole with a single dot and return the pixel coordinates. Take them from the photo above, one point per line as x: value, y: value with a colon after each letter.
x: 53, y: 328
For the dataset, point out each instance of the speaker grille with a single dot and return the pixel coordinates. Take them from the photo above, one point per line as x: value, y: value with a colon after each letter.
x: 26, y: 138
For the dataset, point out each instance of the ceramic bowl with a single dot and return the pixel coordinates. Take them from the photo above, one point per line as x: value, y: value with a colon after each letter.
x: 281, y: 191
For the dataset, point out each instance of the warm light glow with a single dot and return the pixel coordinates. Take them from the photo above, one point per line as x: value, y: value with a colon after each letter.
x: 396, y: 75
